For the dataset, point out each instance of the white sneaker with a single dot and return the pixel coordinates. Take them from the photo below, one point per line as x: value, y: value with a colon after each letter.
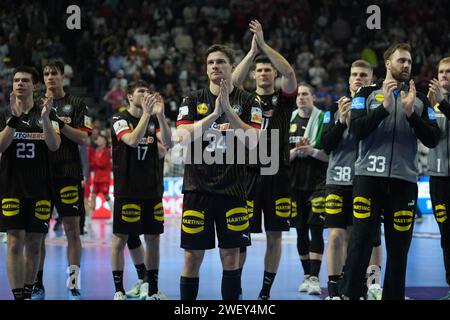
x: 135, y: 292
x: 333, y: 298
x: 303, y: 287
x: 144, y: 291
x: 157, y: 296
x: 314, y: 286
x: 374, y: 292
x: 3, y: 237
x: 119, y: 295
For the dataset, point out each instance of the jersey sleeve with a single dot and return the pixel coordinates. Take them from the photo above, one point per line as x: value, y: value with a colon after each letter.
x: 82, y: 119
x: 425, y: 125
x: 332, y: 130
x: 186, y: 113
x: 287, y: 101
x: 252, y: 112
x: 120, y: 126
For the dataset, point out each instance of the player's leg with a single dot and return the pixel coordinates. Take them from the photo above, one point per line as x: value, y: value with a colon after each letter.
x: 137, y: 253
x: 117, y: 264
x: 15, y: 263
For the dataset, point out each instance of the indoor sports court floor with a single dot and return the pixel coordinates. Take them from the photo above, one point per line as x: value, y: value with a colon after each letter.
x: 425, y: 276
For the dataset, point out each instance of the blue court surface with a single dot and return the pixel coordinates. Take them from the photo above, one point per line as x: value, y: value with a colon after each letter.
x: 425, y: 276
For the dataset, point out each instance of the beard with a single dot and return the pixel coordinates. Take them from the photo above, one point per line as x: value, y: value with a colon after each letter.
x: 399, y: 75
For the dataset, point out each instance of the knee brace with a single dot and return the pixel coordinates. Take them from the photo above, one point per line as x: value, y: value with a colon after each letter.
x: 133, y: 242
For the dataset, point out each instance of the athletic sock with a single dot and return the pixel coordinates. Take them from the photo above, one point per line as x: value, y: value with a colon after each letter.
x: 118, y: 280
x: 18, y: 293
x: 231, y: 283
x: 152, y: 277
x: 306, y: 267
x: 27, y: 289
x: 315, y: 267
x: 140, y: 269
x: 267, y: 284
x: 188, y: 288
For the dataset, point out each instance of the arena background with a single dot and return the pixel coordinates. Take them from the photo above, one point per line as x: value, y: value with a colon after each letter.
x: 163, y: 42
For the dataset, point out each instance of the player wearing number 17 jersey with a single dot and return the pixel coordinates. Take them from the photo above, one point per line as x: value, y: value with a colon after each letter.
x: 138, y: 181
x: 387, y: 121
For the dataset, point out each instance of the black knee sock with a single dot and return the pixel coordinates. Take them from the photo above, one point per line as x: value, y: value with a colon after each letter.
x: 231, y: 283
x: 27, y: 289
x: 118, y: 280
x: 188, y: 288
x: 140, y: 269
x: 39, y: 283
x: 334, y: 278
x: 315, y: 267
x: 152, y: 276
x: 18, y: 293
x: 306, y: 267
x: 267, y: 284
x: 447, y: 264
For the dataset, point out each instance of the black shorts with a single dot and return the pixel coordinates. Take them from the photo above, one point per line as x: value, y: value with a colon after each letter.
x: 138, y: 216
x: 32, y: 215
x: 308, y: 208
x: 269, y: 195
x: 338, y: 206
x: 68, y: 197
x: 202, y: 211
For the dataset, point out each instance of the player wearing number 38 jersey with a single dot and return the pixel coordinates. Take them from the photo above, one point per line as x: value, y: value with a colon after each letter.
x: 387, y: 120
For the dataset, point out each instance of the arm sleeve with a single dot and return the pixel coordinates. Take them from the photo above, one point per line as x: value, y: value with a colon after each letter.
x: 120, y: 127
x: 425, y: 126
x: 362, y: 123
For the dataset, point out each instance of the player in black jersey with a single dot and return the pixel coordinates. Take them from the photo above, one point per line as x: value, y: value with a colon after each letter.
x: 269, y: 194
x: 138, y: 181
x: 27, y: 132
x: 308, y: 171
x: 67, y: 173
x: 214, y: 193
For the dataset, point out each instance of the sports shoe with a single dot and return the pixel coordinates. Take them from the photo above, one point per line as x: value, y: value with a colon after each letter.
x: 38, y: 293
x: 303, y: 287
x: 135, y: 291
x: 73, y: 294
x: 333, y: 291
x: 143, y: 291
x: 119, y: 295
x: 374, y: 292
x: 314, y: 286
x: 157, y: 296
x: 446, y: 297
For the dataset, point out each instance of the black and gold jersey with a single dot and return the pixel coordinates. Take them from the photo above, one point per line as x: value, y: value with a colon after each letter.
x: 66, y: 162
x: 223, y: 178
x: 138, y: 172
x: 24, y: 166
x: 276, y: 114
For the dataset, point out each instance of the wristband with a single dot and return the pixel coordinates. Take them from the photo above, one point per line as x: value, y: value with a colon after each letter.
x: 13, y: 122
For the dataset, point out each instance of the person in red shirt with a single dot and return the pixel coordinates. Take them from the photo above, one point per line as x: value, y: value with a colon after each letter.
x: 101, y: 168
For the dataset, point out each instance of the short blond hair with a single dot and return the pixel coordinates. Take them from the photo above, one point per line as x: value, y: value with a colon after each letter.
x: 361, y: 64
x: 444, y: 60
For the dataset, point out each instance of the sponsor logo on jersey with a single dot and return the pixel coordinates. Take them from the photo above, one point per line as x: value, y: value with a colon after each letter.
x: 333, y: 204
x: 268, y: 113
x: 256, y: 115
x: 67, y: 109
x: 274, y: 100
x: 151, y: 128
x: 283, y: 207
x: 318, y: 205
x: 294, y: 139
x: 250, y: 208
x: 361, y: 207
x: 431, y: 114
x: 10, y: 207
x: 69, y: 194
x: 66, y: 120
x: 158, y: 212
x: 379, y: 97
x: 358, y: 103
x: 237, y: 219
x: 88, y: 121
x: 120, y: 126
x: 293, y: 128
x: 146, y: 140
x: 131, y: 212
x: 42, y: 210
x: 202, y: 108
x: 193, y: 222
x: 237, y: 108
x: 327, y: 117
x: 403, y: 220
x: 28, y: 136
x: 441, y: 212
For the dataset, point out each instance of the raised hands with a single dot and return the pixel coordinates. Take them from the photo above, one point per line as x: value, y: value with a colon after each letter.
x: 15, y: 110
x: 47, y: 107
x: 344, y: 104
x: 257, y: 30
x: 436, y: 92
x: 153, y: 104
x: 388, y: 88
x: 408, y: 99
